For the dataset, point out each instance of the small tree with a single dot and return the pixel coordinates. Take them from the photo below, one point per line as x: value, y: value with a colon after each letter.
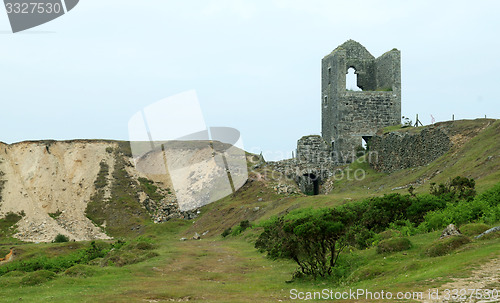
x: 314, y: 239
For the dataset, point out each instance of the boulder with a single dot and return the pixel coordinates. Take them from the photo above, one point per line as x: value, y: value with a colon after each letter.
x: 450, y: 230
x: 491, y: 230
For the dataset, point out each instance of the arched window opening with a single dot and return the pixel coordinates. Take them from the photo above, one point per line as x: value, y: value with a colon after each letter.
x: 351, y: 82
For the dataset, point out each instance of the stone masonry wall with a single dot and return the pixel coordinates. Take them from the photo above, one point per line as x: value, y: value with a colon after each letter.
x: 400, y: 150
x: 314, y: 150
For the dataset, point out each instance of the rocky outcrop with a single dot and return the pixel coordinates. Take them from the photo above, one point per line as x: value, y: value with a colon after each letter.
x: 491, y: 230
x: 450, y: 230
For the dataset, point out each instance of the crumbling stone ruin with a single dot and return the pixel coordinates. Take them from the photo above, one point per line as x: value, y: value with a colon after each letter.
x: 349, y: 117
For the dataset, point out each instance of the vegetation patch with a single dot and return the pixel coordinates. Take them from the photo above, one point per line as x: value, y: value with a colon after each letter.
x: 473, y: 229
x: 123, y: 213
x: 102, y: 177
x: 445, y: 246
x: 150, y: 189
x: 38, y: 277
x: 241, y: 227
x: 393, y: 245
x: 130, y: 253
x: 388, y: 234
x: 55, y: 215
x: 80, y: 270
x: 8, y: 222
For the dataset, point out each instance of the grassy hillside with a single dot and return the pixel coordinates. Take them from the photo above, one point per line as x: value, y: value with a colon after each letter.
x: 230, y: 269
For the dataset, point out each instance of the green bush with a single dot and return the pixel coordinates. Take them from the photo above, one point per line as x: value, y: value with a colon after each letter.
x: 313, y: 238
x: 423, y: 204
x: 388, y: 234
x: 455, y: 189
x: 473, y: 229
x: 226, y: 232
x: 241, y: 227
x: 445, y: 246
x: 60, y: 239
x: 80, y: 270
x: 393, y: 245
x: 38, y: 277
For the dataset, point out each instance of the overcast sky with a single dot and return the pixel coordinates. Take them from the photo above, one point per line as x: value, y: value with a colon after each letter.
x: 255, y: 65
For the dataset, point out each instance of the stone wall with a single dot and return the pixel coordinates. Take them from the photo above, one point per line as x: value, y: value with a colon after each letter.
x: 400, y: 150
x: 313, y: 149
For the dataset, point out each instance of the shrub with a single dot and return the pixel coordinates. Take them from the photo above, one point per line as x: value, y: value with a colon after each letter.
x: 423, y: 204
x: 405, y: 227
x: 473, y: 229
x: 80, y: 270
x: 61, y: 238
x: 388, y: 234
x: 393, y: 245
x: 445, y: 246
x: 457, y: 188
x: 241, y: 227
x: 226, y: 232
x: 38, y: 277
x: 313, y: 239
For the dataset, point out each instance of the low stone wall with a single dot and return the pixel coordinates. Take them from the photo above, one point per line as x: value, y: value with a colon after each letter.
x: 400, y: 150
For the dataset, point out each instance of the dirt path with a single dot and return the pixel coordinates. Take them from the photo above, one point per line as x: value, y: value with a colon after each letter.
x: 211, y: 271
x: 487, y: 277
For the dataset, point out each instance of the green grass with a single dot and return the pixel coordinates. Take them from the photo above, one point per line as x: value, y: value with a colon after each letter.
x: 150, y: 189
x: 230, y: 269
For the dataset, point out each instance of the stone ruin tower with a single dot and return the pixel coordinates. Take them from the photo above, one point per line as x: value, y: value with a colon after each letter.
x: 349, y: 117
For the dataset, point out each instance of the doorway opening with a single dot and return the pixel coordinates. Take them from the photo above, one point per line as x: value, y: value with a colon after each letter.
x: 311, y: 186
